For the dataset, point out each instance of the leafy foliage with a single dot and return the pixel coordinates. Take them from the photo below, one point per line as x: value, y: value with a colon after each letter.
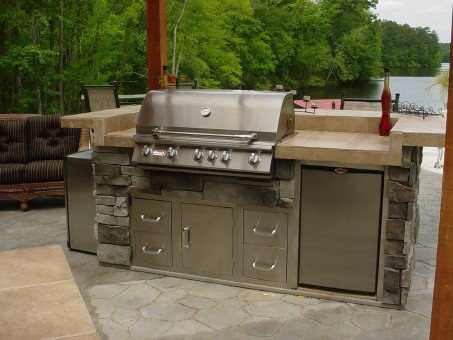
x: 445, y: 52
x: 47, y: 47
x: 405, y: 46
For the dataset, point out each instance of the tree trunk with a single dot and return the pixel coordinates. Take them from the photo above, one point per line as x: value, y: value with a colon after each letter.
x: 175, y: 36
x: 52, y: 48
x: 35, y: 37
x: 18, y: 90
x: 60, y: 58
x: 179, y: 63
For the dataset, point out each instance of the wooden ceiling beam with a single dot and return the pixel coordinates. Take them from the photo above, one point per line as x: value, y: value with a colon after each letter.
x: 442, y: 315
x: 156, y: 14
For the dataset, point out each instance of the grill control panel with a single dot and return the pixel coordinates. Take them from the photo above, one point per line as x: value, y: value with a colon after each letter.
x: 204, y: 158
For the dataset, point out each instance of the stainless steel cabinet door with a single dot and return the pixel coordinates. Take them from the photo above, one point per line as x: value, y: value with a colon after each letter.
x: 340, y: 227
x: 207, y: 239
x: 80, y: 203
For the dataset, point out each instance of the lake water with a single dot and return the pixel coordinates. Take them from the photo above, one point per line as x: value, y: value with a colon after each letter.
x: 411, y: 84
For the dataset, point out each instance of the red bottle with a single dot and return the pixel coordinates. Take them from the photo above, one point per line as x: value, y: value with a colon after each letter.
x: 386, y: 100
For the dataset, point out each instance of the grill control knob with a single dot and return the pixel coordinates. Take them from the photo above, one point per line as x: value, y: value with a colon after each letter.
x: 212, y: 156
x: 198, y: 155
x: 146, y: 151
x: 254, y: 159
x: 172, y: 153
x: 226, y: 157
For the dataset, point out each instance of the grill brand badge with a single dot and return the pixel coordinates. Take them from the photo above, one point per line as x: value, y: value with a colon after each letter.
x: 206, y: 112
x: 159, y: 152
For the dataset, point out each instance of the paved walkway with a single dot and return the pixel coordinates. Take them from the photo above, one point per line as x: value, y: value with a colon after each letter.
x: 125, y: 304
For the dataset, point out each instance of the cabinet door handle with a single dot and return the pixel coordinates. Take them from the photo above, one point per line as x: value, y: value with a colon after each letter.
x: 258, y: 231
x: 186, y: 237
x: 151, y: 219
x: 148, y: 251
x: 264, y: 267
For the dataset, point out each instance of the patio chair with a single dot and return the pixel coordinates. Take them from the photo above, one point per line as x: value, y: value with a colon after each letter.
x: 185, y: 86
x: 100, y: 97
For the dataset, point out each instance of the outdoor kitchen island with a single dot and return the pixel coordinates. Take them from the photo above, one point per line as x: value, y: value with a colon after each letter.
x: 267, y: 232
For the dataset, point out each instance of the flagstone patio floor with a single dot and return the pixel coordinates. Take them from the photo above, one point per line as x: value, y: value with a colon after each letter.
x: 125, y: 304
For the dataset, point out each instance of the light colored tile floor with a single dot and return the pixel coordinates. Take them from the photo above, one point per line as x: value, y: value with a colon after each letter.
x: 39, y: 298
x: 125, y: 304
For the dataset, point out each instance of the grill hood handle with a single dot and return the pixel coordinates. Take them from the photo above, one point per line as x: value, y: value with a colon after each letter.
x: 249, y: 137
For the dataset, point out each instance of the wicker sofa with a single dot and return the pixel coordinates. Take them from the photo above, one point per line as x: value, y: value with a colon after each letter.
x: 32, y: 150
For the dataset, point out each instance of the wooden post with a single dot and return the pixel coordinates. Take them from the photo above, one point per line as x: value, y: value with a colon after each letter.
x: 156, y: 15
x: 442, y: 315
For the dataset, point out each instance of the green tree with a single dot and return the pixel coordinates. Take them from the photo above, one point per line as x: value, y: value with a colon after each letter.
x: 405, y: 46
x: 48, y: 47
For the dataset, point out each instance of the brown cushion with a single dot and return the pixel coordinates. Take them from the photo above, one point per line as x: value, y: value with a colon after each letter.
x: 16, y: 116
x: 44, y: 171
x: 47, y: 140
x: 13, y: 141
x: 12, y: 173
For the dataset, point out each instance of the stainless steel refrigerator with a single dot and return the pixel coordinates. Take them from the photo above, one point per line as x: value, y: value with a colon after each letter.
x: 340, y: 228
x: 80, y: 202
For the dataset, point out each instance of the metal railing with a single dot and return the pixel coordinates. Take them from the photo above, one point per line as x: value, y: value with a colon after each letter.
x: 412, y: 109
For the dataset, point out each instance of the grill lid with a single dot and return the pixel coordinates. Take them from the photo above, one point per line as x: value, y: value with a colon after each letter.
x: 243, y: 117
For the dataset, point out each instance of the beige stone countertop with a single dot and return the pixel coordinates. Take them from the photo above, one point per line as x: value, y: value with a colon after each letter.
x: 341, y: 147
x: 104, y: 122
x: 329, y: 135
x: 416, y: 130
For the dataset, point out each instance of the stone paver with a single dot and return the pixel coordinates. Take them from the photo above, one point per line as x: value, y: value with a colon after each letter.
x: 221, y: 317
x: 371, y: 321
x: 132, y: 305
x: 167, y: 312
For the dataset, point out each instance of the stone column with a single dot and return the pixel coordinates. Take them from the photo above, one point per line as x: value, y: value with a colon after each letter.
x: 113, y: 173
x: 402, y: 226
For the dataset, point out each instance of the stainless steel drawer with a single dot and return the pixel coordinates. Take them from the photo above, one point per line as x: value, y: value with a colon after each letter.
x: 151, y: 216
x: 265, y: 228
x: 265, y: 263
x: 154, y: 249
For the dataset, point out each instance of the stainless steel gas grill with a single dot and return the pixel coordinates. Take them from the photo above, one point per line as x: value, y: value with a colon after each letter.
x: 231, y: 132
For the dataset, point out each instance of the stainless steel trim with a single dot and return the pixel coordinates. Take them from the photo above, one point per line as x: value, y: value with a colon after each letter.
x: 250, y: 137
x: 263, y: 267
x: 149, y: 219
x: 255, y: 146
x: 153, y: 252
x: 257, y: 231
x: 186, y: 237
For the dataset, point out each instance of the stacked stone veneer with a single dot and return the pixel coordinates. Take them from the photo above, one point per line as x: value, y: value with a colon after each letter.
x: 402, y: 226
x: 116, y: 177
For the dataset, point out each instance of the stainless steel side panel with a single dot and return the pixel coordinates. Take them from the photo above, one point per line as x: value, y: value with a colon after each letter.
x: 207, y: 239
x: 80, y: 203
x: 340, y: 227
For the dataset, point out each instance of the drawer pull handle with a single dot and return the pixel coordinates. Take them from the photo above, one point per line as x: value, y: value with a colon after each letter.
x: 148, y: 251
x: 263, y: 267
x: 186, y: 237
x: 258, y: 231
x: 149, y: 219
